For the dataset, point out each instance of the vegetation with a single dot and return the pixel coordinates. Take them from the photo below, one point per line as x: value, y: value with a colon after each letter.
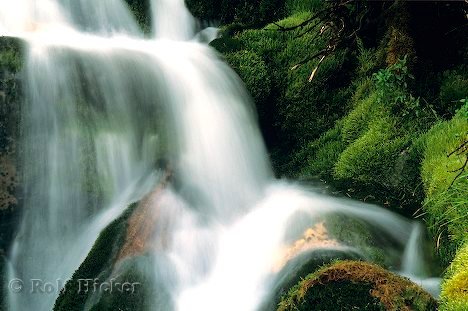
x: 352, y: 92
x: 97, y: 265
x: 385, y: 117
x: 299, y: 268
x: 446, y: 189
x: 10, y: 105
x: 287, y: 118
x: 354, y: 285
x: 249, y: 13
x: 454, y: 295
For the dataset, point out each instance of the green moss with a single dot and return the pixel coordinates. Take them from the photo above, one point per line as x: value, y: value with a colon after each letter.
x: 446, y: 203
x: 226, y: 44
x: 11, y: 58
x: 298, y: 268
x: 322, y: 154
x: 360, y: 235
x: 351, y: 285
x: 294, y: 111
x: 298, y: 6
x: 253, y: 13
x: 454, y: 89
x: 454, y: 295
x: 252, y: 70
x: 341, y: 296
x: 139, y: 295
x: 11, y: 63
x: 357, y: 122
x: 373, y: 155
x: 97, y: 265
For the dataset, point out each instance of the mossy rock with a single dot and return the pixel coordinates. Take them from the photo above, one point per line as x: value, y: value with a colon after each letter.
x: 143, y: 289
x: 372, y: 156
x: 301, y: 266
x: 446, y: 200
x: 454, y: 295
x: 11, y: 98
x: 253, y: 13
x: 226, y: 44
x: 354, y: 285
x: 252, y: 70
x: 97, y: 265
x: 292, y: 111
x: 322, y: 154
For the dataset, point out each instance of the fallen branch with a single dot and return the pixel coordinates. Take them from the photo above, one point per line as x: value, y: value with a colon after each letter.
x: 462, y: 149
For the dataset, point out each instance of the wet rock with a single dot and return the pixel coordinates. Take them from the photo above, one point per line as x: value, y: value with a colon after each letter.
x: 300, y: 266
x: 11, y: 62
x: 355, y: 285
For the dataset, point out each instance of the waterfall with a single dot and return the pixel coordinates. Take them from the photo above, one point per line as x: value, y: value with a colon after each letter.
x: 171, y: 20
x: 102, y: 105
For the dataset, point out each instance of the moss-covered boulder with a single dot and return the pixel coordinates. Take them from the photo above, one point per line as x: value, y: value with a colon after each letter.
x: 291, y: 110
x: 454, y: 296
x: 301, y: 266
x: 126, y: 269
x: 253, y: 72
x: 97, y: 265
x: 354, y: 285
x: 112, y: 277
x: 446, y: 184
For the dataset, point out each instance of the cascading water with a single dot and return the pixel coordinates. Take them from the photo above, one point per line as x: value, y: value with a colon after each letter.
x: 102, y: 105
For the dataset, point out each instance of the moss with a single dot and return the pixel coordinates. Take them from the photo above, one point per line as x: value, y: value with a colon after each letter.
x: 11, y: 63
x: 446, y: 203
x: 362, y: 236
x: 298, y: 6
x: 252, y: 70
x: 454, y: 295
x: 253, y: 13
x: 298, y: 268
x: 97, y: 265
x: 453, y: 90
x: 140, y: 292
x: 322, y: 154
x: 351, y: 285
x: 295, y: 111
x: 372, y: 156
x: 226, y: 44
x: 357, y: 122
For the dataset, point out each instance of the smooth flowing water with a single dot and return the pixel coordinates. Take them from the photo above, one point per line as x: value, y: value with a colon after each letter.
x: 103, y: 104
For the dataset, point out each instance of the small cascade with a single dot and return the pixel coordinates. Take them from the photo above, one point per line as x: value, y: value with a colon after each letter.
x: 103, y: 105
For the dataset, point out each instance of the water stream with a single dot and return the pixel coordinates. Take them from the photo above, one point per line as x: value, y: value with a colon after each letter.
x: 103, y: 103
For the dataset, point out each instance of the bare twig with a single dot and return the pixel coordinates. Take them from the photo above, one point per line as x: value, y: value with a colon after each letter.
x: 461, y: 170
x: 462, y: 149
x: 316, y: 68
x: 458, y: 149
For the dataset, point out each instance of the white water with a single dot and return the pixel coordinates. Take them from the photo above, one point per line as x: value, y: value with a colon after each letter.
x: 103, y: 104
